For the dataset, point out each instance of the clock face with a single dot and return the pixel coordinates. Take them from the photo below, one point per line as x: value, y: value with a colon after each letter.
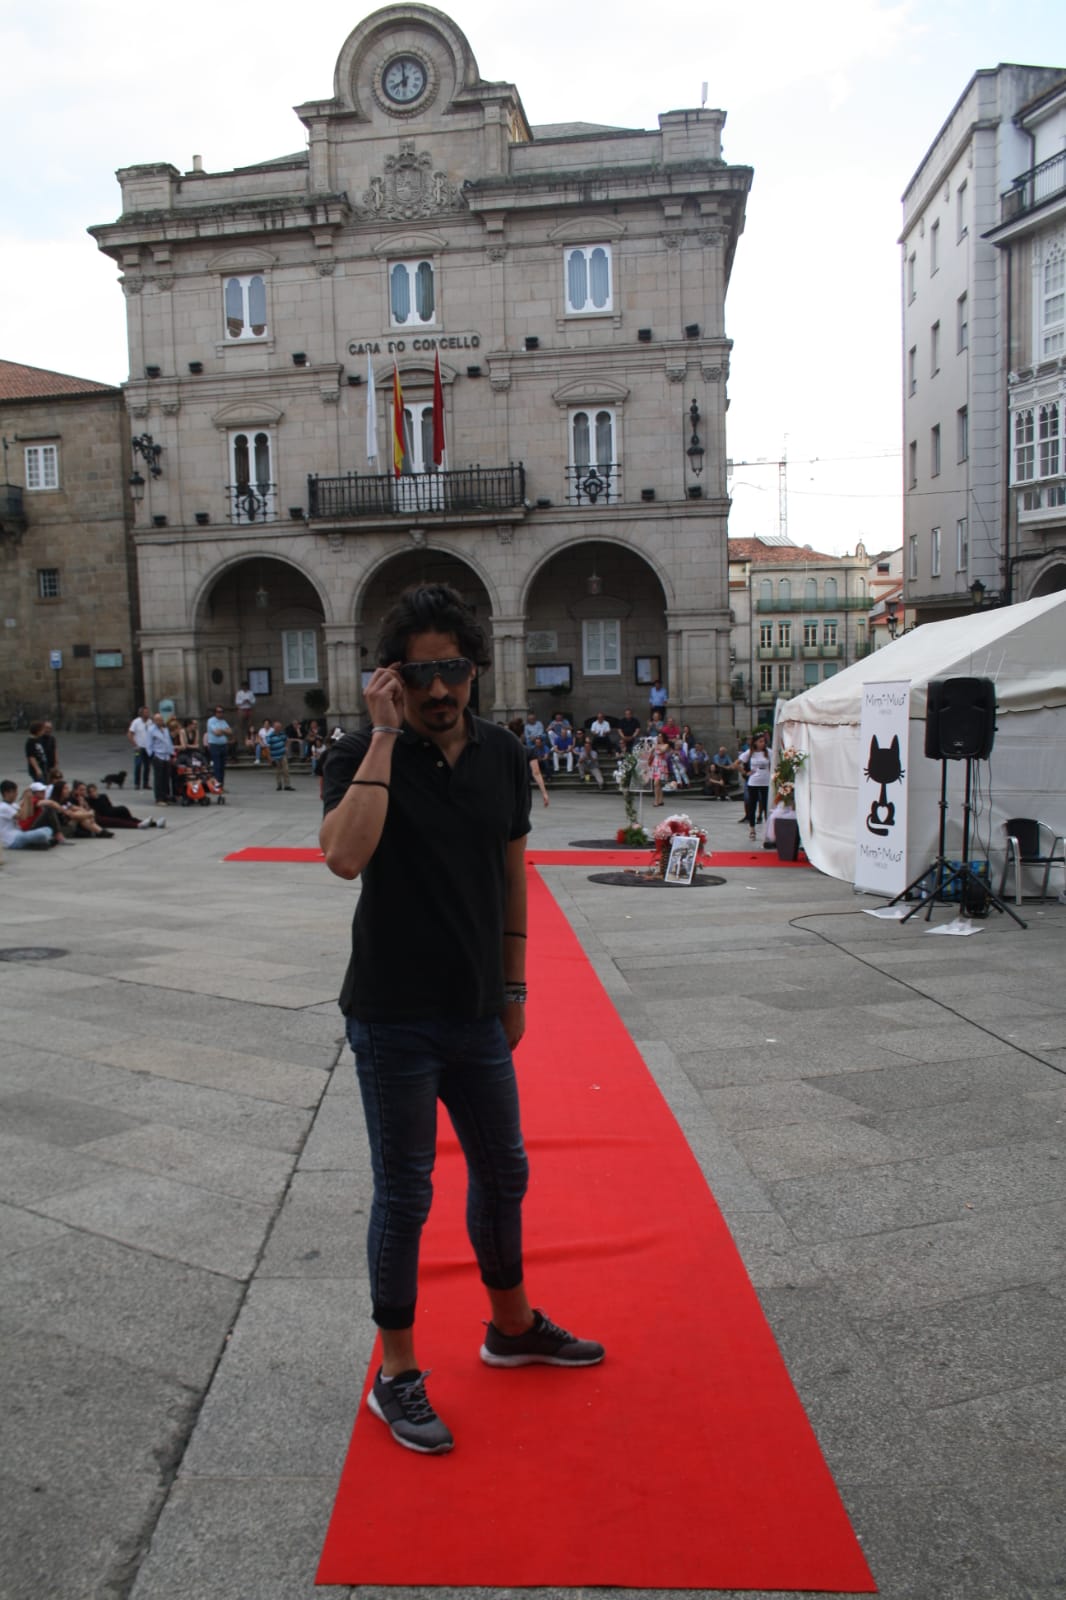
x: 404, y: 79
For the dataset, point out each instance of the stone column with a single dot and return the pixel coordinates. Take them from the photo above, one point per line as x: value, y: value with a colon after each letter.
x: 509, y: 660
x: 342, y: 672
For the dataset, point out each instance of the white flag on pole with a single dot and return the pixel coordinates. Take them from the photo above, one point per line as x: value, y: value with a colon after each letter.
x: 371, y: 415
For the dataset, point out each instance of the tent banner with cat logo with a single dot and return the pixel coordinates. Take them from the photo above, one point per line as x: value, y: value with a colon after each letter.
x: 881, y: 820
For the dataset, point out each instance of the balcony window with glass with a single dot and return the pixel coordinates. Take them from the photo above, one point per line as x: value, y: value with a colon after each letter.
x: 962, y: 323
x: 810, y: 635
x: 962, y: 433
x: 784, y: 678
x: 766, y: 635
x: 594, y: 472
x: 1048, y: 440
x: 253, y: 492
x: 934, y: 349
x: 588, y: 274
x: 1053, y: 304
x: 412, y: 294
x: 934, y: 553
x: 784, y: 592
x: 784, y: 635
x: 766, y: 678
x: 829, y: 634
x: 912, y: 369
x: 912, y: 464
x: 960, y: 211
x: 934, y: 451
x: 912, y: 557
x: 1024, y: 446
x: 962, y: 545
x: 245, y: 306
x: 830, y: 592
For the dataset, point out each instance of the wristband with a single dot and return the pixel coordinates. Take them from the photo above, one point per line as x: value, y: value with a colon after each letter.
x: 368, y: 783
x: 514, y: 997
x: 381, y: 727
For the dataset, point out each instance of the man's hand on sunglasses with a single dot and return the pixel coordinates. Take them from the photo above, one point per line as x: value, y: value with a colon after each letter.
x: 384, y: 696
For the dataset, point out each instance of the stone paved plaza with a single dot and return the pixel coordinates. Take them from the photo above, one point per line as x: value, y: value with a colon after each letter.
x: 881, y: 1115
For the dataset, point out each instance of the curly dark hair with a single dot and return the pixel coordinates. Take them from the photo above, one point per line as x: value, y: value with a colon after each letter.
x: 432, y: 608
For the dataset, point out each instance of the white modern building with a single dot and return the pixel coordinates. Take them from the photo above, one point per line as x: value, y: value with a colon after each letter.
x: 1032, y: 240
x: 955, y: 346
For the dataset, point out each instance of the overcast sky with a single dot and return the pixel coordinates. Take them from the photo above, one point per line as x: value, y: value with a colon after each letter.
x: 833, y: 104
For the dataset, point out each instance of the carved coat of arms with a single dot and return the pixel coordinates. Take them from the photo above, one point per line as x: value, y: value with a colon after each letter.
x: 410, y: 188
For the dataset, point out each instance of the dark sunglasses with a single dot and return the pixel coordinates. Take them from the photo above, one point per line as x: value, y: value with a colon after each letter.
x: 421, y: 674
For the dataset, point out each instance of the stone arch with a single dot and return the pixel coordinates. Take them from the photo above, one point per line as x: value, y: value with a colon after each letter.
x: 1050, y: 578
x: 582, y: 543
x: 259, y: 610
x: 595, y: 605
x: 382, y: 583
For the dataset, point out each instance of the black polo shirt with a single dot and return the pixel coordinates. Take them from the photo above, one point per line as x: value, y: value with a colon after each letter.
x: 427, y: 935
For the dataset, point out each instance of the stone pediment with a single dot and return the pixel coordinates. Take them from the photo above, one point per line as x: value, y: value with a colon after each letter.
x: 587, y: 229
x: 250, y: 413
x: 591, y: 391
x: 409, y: 188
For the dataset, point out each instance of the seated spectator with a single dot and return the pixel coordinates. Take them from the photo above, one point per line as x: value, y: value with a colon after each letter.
x: 312, y: 735
x: 295, y: 733
x: 588, y: 762
x: 604, y: 737
x: 628, y: 730
x: 563, y: 748
x: 726, y: 767
x: 698, y: 761
x: 655, y: 726
x: 670, y: 729
x: 678, y: 773
x: 540, y: 752
x: 536, y: 776
x: 558, y: 722
x: 73, y: 820
x: 533, y: 728
x: 16, y: 830
x: 109, y: 815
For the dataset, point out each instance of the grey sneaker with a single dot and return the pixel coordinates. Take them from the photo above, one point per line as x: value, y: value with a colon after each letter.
x: 543, y: 1343
x: 404, y: 1405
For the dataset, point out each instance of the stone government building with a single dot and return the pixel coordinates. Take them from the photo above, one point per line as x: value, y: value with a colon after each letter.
x: 571, y: 279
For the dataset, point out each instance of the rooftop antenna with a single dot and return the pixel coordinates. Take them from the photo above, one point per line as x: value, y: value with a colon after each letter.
x: 703, y: 96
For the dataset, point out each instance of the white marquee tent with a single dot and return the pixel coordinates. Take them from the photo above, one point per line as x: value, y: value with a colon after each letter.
x: 1022, y: 648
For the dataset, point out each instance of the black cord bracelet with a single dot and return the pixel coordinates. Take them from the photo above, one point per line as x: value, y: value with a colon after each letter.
x: 509, y: 933
x: 369, y: 783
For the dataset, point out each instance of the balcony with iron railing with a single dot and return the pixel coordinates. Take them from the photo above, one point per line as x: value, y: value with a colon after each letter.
x: 1030, y: 190
x: 802, y: 602
x: 375, y: 497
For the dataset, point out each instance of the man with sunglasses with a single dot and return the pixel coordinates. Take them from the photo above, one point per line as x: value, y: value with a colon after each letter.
x: 430, y: 807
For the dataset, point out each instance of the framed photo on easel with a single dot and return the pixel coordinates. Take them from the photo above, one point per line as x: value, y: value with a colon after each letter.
x: 681, y: 867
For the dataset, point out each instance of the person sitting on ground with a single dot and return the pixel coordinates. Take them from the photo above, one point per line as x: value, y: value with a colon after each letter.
x: 588, y: 762
x: 628, y: 730
x: 14, y: 813
x: 75, y: 820
x: 109, y: 815
x: 532, y: 728
x: 604, y: 737
x: 563, y: 748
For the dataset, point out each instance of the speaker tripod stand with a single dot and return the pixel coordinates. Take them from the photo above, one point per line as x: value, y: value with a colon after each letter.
x: 943, y: 875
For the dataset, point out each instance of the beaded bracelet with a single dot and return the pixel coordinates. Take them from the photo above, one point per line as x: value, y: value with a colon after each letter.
x: 381, y: 727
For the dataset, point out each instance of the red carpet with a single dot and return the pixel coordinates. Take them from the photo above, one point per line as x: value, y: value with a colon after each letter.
x: 685, y: 1460
x: 557, y: 858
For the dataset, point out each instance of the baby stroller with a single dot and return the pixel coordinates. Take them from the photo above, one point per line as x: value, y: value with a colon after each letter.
x: 190, y: 785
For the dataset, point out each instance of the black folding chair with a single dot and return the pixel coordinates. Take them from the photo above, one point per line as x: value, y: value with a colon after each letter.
x: 1026, y: 838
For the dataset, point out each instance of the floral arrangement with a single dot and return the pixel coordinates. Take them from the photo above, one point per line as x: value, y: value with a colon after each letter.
x: 789, y: 762
x: 667, y: 832
x: 628, y: 777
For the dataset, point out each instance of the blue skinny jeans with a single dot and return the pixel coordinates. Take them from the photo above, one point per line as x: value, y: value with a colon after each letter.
x: 403, y: 1069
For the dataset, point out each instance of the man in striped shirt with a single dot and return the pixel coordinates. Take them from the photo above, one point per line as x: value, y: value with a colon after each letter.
x: 278, y: 751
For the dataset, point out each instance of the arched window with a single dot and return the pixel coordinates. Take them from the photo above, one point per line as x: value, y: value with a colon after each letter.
x: 810, y: 592
x: 784, y: 591
x: 766, y: 593
x: 252, y: 487
x: 830, y: 592
x: 588, y: 278
x: 245, y: 306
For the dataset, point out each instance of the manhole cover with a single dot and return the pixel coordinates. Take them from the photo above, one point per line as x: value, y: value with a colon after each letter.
x: 605, y: 844
x: 32, y: 953
x: 633, y: 880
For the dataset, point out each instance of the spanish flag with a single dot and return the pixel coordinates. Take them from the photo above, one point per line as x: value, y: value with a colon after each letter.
x: 398, y: 451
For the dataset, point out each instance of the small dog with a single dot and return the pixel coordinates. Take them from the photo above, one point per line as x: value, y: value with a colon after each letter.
x: 116, y: 778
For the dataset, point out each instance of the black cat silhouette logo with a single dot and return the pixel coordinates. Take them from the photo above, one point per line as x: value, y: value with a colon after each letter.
x: 884, y: 768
